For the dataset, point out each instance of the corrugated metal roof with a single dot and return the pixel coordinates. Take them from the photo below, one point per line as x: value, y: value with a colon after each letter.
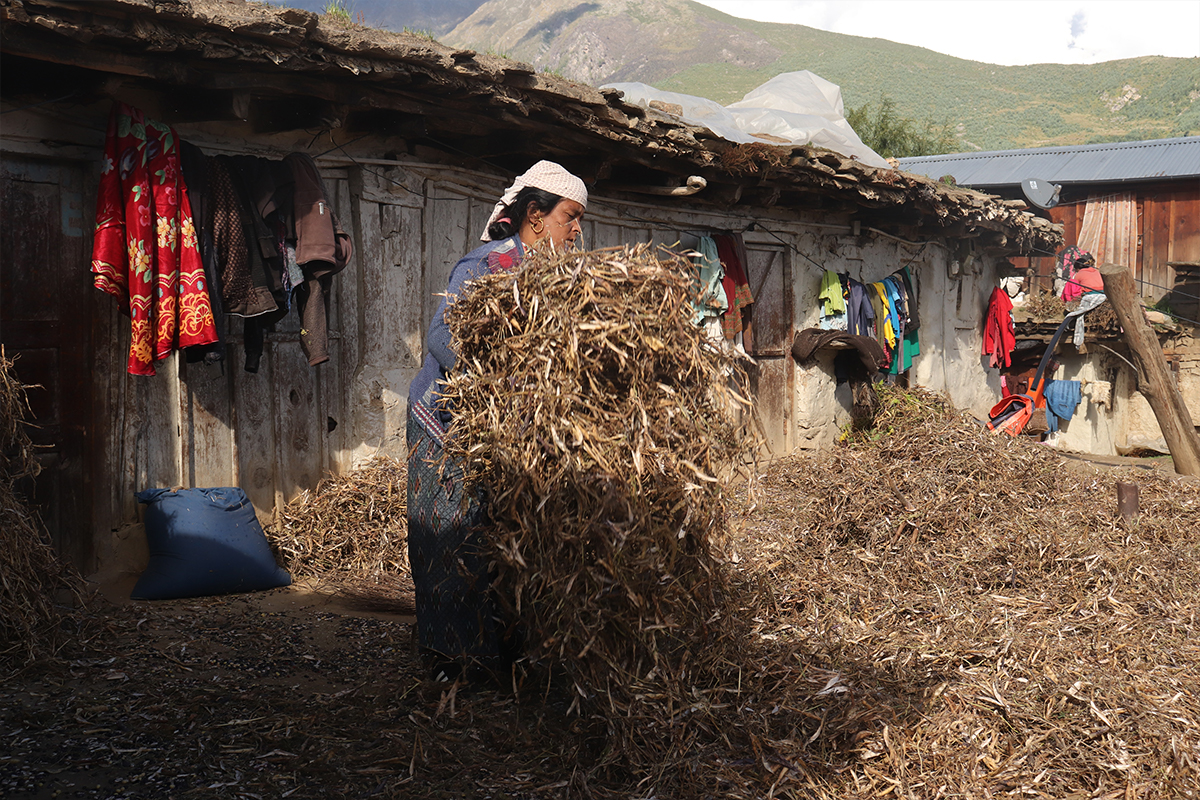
x: 1088, y: 163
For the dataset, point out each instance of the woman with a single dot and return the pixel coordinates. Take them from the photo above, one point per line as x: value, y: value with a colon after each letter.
x: 456, y: 618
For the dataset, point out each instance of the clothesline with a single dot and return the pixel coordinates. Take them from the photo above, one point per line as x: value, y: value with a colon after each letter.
x: 884, y: 311
x: 184, y: 240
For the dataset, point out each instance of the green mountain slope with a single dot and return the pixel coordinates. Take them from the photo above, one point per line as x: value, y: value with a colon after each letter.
x: 432, y: 16
x: 687, y: 47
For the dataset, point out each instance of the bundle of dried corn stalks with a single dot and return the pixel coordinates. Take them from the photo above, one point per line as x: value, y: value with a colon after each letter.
x: 37, y: 593
x: 1045, y: 305
x: 599, y: 419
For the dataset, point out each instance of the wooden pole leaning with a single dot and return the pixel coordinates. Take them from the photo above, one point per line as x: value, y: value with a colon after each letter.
x: 1155, y: 381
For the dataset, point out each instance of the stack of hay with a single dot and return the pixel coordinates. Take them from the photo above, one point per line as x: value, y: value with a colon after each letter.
x: 598, y: 418
x: 928, y: 610
x: 30, y: 574
x: 350, y: 535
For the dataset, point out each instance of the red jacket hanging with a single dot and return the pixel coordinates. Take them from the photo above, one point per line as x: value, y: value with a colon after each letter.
x: 999, y: 334
x: 735, y: 283
x: 145, y: 251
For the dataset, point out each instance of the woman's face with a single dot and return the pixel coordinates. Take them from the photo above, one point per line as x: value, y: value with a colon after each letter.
x: 562, y: 224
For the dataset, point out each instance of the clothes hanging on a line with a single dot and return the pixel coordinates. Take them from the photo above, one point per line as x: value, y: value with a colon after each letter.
x: 999, y: 330
x: 860, y: 314
x: 1087, y: 302
x: 722, y: 289
x: 833, y: 303
x: 264, y: 238
x: 709, y: 293
x: 1062, y: 398
x: 885, y: 311
x: 735, y: 283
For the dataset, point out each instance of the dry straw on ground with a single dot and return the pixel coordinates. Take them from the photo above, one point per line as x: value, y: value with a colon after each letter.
x: 350, y: 534
x: 1014, y: 634
x: 37, y: 593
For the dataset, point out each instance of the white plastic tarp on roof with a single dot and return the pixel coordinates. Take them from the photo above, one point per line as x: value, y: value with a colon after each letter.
x: 799, y: 107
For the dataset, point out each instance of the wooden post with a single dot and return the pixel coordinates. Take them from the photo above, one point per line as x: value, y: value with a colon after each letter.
x: 1155, y: 381
x: 1127, y: 499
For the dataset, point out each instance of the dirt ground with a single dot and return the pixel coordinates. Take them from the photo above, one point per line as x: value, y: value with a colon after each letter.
x: 284, y: 693
x: 292, y: 693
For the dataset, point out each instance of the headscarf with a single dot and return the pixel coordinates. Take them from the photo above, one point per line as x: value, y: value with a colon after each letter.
x: 547, y: 176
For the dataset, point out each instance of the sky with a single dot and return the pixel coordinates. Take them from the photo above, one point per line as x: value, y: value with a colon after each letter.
x: 1007, y: 32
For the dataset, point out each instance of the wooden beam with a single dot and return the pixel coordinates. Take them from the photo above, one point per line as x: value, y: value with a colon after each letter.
x: 1155, y: 380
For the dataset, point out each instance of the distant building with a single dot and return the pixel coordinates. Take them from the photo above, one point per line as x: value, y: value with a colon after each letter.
x: 1132, y: 203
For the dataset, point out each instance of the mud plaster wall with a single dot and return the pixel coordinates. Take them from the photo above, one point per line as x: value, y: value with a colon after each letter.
x: 1138, y: 425
x: 1094, y: 428
x: 951, y: 303
x: 1127, y: 421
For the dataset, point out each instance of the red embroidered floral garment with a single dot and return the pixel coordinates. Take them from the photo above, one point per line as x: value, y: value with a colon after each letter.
x: 145, y: 252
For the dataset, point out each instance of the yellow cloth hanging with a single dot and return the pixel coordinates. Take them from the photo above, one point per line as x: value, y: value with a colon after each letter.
x: 831, y: 294
x: 888, y: 332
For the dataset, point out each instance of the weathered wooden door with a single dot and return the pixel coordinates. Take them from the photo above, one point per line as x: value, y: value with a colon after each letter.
x: 771, y: 378
x: 45, y: 325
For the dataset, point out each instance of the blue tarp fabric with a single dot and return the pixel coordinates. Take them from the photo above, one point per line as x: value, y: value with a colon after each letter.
x: 204, y: 542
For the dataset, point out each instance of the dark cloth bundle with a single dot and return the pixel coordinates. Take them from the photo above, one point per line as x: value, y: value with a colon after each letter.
x: 871, y: 356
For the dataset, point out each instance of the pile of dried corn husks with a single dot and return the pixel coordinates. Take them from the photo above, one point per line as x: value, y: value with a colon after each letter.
x: 1001, y: 629
x: 930, y: 610
x: 37, y: 593
x: 601, y: 422
x: 354, y: 522
x: 350, y: 536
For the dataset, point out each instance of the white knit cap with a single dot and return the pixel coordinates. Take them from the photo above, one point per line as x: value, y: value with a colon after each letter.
x: 544, y: 175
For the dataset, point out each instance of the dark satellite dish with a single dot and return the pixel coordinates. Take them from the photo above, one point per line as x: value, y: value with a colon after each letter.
x: 1042, y: 194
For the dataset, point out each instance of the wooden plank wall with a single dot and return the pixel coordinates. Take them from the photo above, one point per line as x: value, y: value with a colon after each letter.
x: 274, y: 433
x: 46, y: 331
x: 1170, y: 233
x: 772, y: 375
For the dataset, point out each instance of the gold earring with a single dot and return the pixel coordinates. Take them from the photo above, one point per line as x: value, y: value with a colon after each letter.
x: 538, y: 226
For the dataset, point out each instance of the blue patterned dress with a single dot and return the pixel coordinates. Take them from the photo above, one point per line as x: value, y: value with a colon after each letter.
x: 456, y: 612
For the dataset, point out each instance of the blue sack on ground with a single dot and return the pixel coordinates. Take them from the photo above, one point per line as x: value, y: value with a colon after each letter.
x: 204, y: 542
